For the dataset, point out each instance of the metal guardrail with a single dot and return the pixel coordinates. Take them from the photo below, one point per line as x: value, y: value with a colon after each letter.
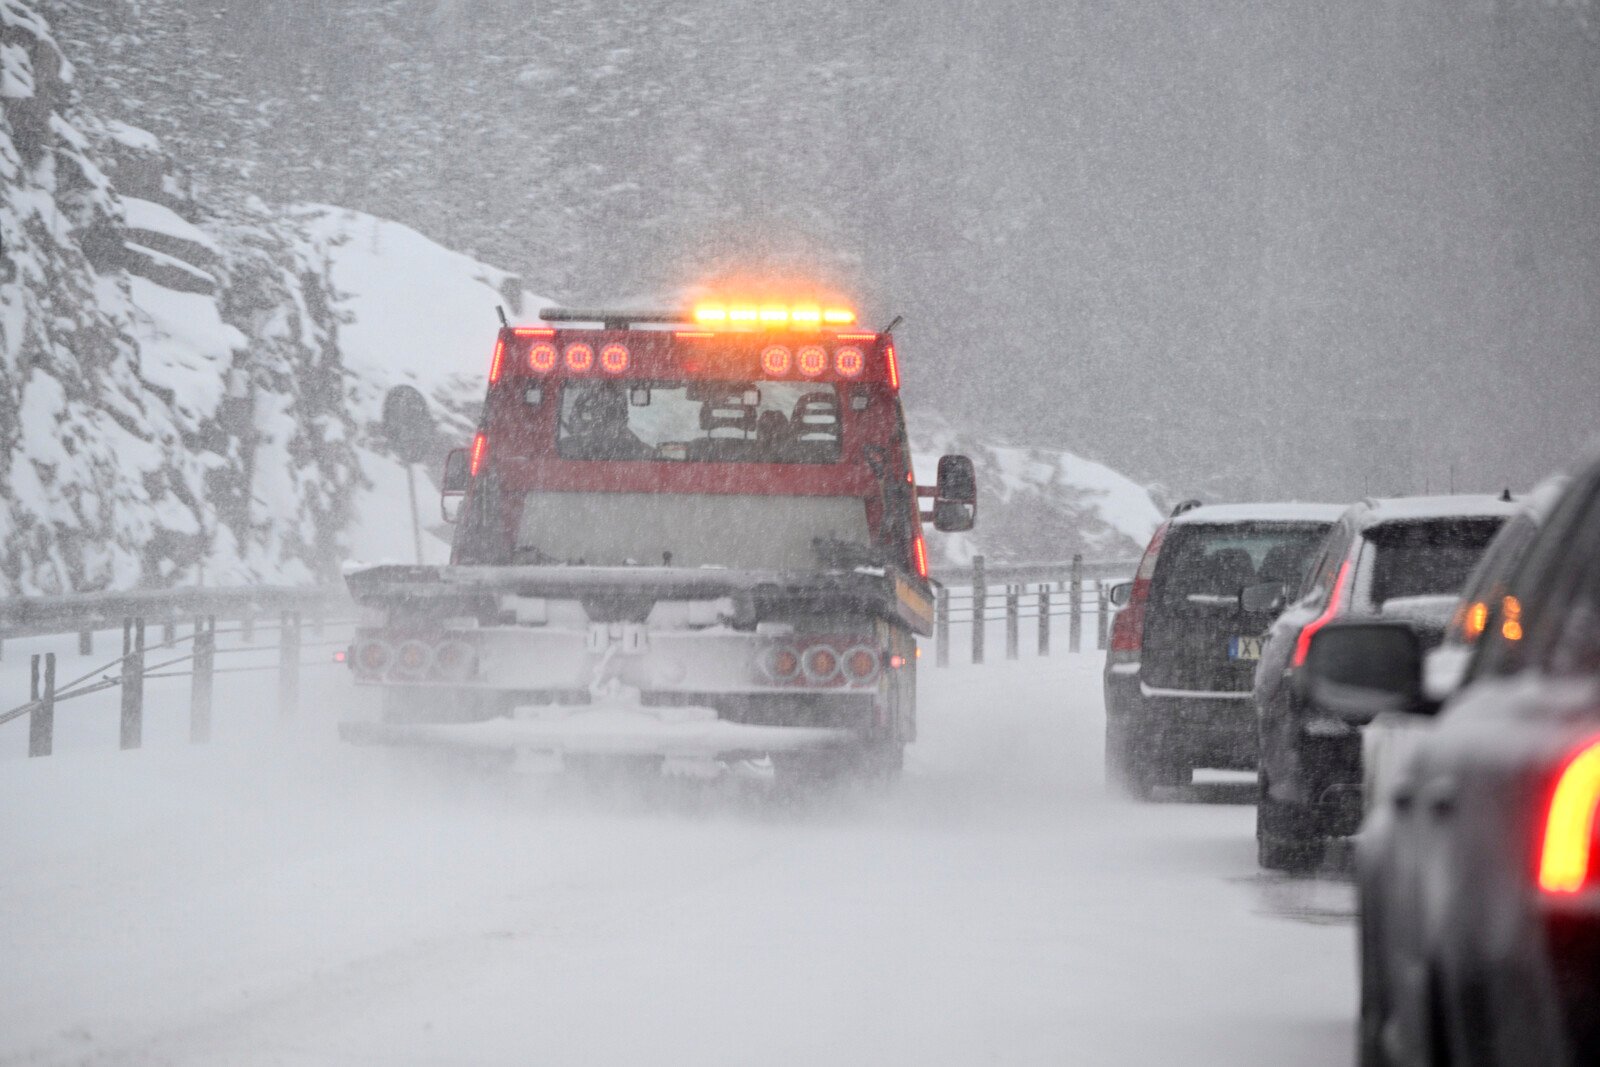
x: 84, y: 614
x: 1057, y: 589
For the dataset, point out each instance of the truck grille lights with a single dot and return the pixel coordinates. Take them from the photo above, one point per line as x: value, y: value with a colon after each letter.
x: 1566, y: 857
x: 614, y: 359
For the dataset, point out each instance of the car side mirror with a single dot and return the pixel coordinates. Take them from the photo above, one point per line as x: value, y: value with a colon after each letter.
x: 955, y: 500
x: 1119, y: 595
x: 453, y: 486
x: 1360, y: 670
x: 1268, y: 596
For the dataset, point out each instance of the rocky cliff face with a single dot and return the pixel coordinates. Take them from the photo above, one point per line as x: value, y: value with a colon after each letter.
x: 171, y: 395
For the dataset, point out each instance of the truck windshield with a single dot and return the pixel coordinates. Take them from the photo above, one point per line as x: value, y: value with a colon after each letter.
x: 700, y: 421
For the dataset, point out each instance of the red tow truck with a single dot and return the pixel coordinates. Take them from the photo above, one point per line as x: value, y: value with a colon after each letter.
x: 689, y: 534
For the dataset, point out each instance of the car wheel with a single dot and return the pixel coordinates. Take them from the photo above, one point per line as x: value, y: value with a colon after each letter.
x: 1286, y: 834
x: 1374, y: 995
x: 1135, y: 770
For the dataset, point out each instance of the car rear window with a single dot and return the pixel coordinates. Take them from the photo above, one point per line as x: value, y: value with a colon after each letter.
x: 1209, y: 564
x: 1427, y: 557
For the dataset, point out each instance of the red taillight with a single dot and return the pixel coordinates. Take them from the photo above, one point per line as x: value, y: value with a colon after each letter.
x: 775, y: 360
x: 480, y: 449
x: 1566, y: 856
x: 413, y: 658
x: 813, y: 360
x: 894, y: 367
x: 781, y: 664
x: 1127, y: 631
x: 373, y: 656
x: 919, y: 556
x: 1302, y: 644
x: 848, y: 362
x: 580, y: 357
x: 614, y: 359
x: 861, y: 665
x: 820, y: 664
x: 542, y: 358
x: 496, y: 364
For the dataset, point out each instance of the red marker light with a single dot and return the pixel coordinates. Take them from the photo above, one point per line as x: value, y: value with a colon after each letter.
x: 775, y: 360
x: 894, y: 367
x: 580, y: 357
x: 848, y: 362
x: 919, y: 551
x: 340, y: 656
x: 499, y: 358
x: 1302, y: 644
x: 614, y: 359
x: 1567, y: 854
x: 480, y: 451
x: 542, y: 358
x: 534, y: 331
x: 813, y: 360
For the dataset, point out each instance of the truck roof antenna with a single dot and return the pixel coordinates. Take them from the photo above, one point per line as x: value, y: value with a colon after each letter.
x: 898, y: 319
x: 498, y: 310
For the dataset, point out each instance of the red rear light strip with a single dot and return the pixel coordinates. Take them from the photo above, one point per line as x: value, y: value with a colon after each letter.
x: 480, y: 450
x: 919, y: 552
x: 1302, y: 644
x: 1566, y: 860
x: 498, y: 361
x: 1127, y: 633
x: 894, y: 367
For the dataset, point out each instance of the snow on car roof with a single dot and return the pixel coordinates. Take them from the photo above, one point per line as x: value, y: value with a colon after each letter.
x: 1438, y: 507
x: 1269, y: 512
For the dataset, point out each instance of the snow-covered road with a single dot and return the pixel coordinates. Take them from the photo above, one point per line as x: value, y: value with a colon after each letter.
x: 277, y: 898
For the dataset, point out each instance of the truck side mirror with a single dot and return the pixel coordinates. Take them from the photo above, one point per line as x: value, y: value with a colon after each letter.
x: 955, y: 500
x: 1359, y: 670
x: 453, y: 486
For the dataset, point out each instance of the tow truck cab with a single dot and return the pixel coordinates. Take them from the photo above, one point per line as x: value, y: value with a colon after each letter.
x: 716, y: 510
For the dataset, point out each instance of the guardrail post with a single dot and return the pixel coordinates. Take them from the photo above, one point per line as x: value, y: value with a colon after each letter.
x: 247, y: 627
x: 979, y: 609
x: 1101, y: 614
x: 1044, y: 618
x: 200, y: 682
x: 1013, y: 612
x: 289, y: 664
x: 941, y: 628
x: 169, y: 630
x: 86, y: 642
x: 132, y: 683
x: 1075, y: 609
x: 42, y: 719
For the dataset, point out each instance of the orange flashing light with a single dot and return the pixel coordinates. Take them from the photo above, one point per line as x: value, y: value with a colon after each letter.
x: 496, y: 364
x: 711, y: 313
x: 1511, y: 619
x: 894, y: 367
x: 743, y: 313
x: 919, y: 553
x: 1565, y: 858
x: 1476, y: 621
x: 1302, y: 644
x: 774, y: 314
x: 480, y: 450
x: 838, y: 316
x: 801, y: 316
x: 805, y: 317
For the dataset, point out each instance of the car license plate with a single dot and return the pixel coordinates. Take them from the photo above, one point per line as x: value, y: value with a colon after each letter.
x: 1244, y: 648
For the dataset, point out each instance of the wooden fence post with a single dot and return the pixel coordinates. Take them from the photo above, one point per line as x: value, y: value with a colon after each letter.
x: 42, y: 719
x: 1044, y: 618
x: 978, y: 609
x: 941, y: 628
x: 200, y: 682
x: 1013, y: 612
x: 86, y: 643
x: 1075, y: 608
x: 289, y: 664
x: 1101, y: 614
x: 132, y: 683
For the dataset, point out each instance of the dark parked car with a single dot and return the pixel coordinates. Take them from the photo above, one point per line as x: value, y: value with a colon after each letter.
x: 1479, y: 869
x: 1404, y: 558
x: 1184, y: 648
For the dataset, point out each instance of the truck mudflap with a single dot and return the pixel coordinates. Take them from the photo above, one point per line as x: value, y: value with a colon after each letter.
x: 606, y: 730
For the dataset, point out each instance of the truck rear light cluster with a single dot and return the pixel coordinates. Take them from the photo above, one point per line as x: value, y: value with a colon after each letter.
x: 416, y: 659
x: 822, y: 662
x: 812, y: 360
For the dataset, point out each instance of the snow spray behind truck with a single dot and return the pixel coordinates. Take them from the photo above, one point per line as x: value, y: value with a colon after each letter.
x: 688, y: 534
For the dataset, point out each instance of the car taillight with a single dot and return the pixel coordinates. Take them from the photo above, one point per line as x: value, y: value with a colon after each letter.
x: 1302, y: 644
x: 1127, y: 631
x: 1568, y: 851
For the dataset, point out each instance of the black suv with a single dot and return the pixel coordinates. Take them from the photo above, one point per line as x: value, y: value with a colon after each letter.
x: 1405, y: 558
x: 1183, y: 649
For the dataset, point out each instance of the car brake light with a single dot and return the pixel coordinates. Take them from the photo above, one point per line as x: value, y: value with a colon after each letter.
x: 480, y: 449
x: 1302, y: 644
x: 1567, y: 853
x: 498, y: 360
x: 1127, y: 632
